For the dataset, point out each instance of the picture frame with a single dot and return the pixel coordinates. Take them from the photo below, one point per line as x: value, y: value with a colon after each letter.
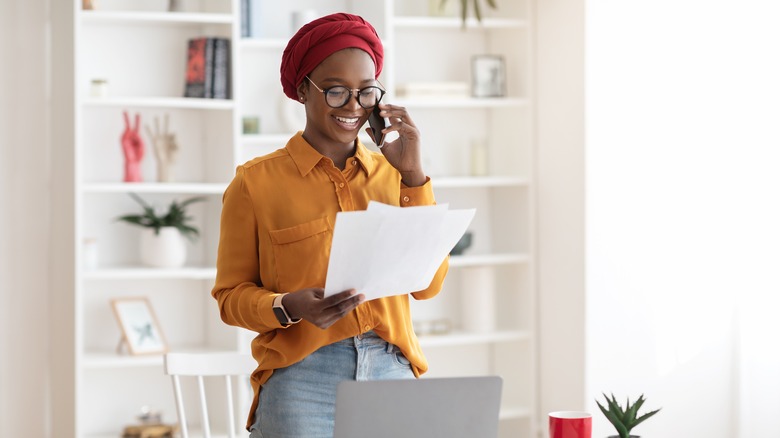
x: 488, y: 76
x: 250, y: 125
x: 141, y: 332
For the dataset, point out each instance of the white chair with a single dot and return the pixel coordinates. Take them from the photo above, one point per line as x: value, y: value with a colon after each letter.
x: 201, y: 365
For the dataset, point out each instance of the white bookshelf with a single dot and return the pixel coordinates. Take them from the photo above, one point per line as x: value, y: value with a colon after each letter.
x: 140, y: 49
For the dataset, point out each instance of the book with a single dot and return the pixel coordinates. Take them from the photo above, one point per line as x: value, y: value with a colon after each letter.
x: 221, y: 69
x: 200, y: 64
x: 208, y: 68
x: 246, y: 22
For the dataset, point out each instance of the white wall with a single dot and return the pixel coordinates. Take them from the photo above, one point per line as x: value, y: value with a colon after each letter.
x: 683, y: 178
x: 24, y: 221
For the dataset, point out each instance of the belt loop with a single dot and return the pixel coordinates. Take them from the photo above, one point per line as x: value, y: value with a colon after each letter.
x: 390, y: 347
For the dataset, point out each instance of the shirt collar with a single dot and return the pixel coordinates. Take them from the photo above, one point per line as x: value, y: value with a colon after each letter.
x: 306, y: 157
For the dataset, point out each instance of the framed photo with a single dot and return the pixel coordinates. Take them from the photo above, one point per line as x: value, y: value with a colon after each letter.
x: 140, y: 329
x: 488, y: 76
x: 250, y: 125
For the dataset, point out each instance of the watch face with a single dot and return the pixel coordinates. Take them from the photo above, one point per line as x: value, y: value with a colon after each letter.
x: 281, y: 316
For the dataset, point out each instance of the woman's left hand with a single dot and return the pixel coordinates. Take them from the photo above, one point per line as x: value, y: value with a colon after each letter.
x: 402, y: 153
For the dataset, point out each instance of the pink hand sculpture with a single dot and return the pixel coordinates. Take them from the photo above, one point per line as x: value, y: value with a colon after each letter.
x: 133, y: 147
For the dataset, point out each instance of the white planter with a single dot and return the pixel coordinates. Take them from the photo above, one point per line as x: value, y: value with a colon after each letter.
x: 164, y: 250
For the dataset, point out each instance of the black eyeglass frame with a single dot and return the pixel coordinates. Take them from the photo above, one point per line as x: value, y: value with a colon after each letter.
x: 350, y: 94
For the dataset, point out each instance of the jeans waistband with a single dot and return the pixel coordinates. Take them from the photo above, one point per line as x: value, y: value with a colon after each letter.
x: 367, y: 338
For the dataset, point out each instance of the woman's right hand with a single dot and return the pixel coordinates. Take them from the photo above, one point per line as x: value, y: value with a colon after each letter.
x: 312, y: 305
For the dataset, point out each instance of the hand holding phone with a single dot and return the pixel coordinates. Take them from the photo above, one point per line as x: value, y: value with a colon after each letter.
x: 377, y: 124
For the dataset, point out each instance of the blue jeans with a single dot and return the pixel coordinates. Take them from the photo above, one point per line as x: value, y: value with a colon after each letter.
x: 300, y: 400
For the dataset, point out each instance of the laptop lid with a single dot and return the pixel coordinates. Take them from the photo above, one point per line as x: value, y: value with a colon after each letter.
x: 426, y: 408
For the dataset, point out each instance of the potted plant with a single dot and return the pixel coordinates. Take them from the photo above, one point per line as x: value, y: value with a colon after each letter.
x: 464, y: 7
x: 624, y: 419
x: 162, y: 240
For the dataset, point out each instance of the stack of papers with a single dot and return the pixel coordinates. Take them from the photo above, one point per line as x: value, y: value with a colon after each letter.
x: 387, y: 250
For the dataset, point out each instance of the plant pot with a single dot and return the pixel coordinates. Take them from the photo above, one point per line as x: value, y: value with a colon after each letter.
x: 164, y: 250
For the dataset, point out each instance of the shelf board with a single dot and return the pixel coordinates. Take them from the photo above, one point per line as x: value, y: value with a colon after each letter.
x: 458, y: 339
x: 263, y: 43
x: 113, y: 360
x: 154, y: 17
x: 110, y: 359
x: 456, y: 23
x: 463, y: 102
x: 160, y: 102
x: 192, y: 431
x: 265, y: 139
x: 209, y: 273
x: 461, y: 182
x: 174, y: 188
x: 461, y: 261
x: 146, y: 273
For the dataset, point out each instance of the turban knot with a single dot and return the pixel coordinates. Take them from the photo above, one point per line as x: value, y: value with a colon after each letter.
x: 322, y: 37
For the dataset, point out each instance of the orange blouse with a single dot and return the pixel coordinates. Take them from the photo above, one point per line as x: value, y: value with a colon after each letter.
x: 277, y: 224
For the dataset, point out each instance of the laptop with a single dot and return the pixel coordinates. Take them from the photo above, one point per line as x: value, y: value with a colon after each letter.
x: 425, y: 408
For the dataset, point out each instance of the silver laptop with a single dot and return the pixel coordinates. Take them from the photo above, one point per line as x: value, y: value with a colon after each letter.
x: 425, y: 408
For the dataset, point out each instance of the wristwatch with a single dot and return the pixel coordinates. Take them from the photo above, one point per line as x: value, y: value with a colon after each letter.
x: 281, y: 313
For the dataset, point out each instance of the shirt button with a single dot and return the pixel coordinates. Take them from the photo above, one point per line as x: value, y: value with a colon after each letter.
x: 366, y: 327
x: 341, y: 185
x: 354, y: 162
x: 406, y: 199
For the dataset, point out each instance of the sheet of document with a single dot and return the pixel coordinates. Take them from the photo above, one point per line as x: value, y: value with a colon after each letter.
x: 387, y: 250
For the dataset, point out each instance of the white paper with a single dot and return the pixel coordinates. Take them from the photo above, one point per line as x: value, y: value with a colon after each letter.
x: 387, y: 250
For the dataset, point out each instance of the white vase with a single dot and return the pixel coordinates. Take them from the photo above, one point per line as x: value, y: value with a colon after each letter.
x: 478, y: 300
x: 164, y: 250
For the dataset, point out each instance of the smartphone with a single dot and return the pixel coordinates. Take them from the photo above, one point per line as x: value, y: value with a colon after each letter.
x: 377, y: 124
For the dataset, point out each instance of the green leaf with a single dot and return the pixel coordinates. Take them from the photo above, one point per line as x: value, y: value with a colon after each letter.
x: 477, y: 10
x: 464, y: 4
x: 614, y: 417
x: 192, y: 200
x: 176, y: 216
x: 133, y: 219
x: 614, y: 406
x: 644, y: 417
x: 492, y: 4
x: 632, y: 411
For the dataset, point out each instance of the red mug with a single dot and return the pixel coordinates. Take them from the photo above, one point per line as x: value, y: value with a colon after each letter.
x: 570, y: 424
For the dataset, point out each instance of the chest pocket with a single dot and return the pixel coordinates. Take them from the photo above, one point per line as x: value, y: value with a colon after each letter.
x: 301, y: 254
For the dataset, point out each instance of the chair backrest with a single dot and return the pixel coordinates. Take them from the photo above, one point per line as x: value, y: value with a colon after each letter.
x: 199, y: 366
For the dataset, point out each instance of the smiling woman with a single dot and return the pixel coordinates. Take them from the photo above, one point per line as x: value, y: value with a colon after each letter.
x: 277, y: 225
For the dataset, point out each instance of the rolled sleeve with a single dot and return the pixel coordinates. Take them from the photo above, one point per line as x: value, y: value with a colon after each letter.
x: 416, y: 196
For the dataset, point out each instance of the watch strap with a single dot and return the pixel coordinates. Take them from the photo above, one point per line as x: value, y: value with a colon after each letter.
x: 281, y: 312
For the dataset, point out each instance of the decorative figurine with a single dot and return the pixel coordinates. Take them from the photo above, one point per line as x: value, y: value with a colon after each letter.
x: 165, y: 149
x: 133, y: 148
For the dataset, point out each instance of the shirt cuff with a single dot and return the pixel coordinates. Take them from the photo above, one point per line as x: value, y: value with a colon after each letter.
x: 415, y: 196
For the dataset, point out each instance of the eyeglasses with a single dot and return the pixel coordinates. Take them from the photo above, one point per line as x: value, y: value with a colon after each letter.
x: 338, y: 96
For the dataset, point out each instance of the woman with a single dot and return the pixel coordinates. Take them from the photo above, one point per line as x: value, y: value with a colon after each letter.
x: 277, y: 222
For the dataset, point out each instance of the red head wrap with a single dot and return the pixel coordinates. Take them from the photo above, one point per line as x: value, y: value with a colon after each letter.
x: 321, y: 38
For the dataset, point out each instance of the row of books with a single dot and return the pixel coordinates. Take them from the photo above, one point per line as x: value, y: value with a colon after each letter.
x: 208, y: 68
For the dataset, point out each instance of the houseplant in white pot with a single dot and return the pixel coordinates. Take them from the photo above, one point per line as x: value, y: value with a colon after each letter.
x: 624, y: 419
x: 162, y: 241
